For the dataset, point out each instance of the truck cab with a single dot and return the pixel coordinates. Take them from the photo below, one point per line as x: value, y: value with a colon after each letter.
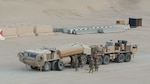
x: 37, y: 57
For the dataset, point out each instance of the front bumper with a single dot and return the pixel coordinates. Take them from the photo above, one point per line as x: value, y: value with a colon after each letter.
x: 29, y: 61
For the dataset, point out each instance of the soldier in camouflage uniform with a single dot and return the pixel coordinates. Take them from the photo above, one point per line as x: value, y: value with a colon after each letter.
x: 73, y: 62
x: 80, y: 62
x: 96, y: 64
x: 91, y: 65
x: 76, y: 63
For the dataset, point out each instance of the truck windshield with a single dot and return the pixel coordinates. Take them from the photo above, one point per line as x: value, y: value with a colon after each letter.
x: 32, y: 55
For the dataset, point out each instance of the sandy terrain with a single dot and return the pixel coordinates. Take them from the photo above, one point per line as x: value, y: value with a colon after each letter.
x: 75, y: 12
x: 71, y: 12
x: 135, y: 72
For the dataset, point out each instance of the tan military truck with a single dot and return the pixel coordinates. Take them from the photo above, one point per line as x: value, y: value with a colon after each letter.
x: 120, y: 51
x: 54, y: 59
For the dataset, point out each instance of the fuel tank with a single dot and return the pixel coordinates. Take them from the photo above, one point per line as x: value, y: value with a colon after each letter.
x: 70, y: 50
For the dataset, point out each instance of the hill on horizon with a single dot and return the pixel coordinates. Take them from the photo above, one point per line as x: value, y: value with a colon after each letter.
x: 59, y: 12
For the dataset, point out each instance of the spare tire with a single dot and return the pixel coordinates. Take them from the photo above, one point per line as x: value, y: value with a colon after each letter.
x: 60, y: 65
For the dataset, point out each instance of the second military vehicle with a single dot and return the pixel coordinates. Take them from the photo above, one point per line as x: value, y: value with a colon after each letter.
x: 120, y: 51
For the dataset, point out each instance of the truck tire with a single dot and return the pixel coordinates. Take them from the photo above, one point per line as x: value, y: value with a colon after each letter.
x: 106, y: 59
x: 88, y: 59
x: 60, y: 65
x: 120, y: 58
x: 74, y: 32
x: 100, y: 60
x: 127, y: 57
x: 47, y: 66
x: 84, y: 58
x: 54, y: 65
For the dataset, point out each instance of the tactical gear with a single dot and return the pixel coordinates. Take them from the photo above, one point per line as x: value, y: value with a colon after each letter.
x: 76, y: 63
x: 96, y: 64
x: 80, y: 62
x: 91, y: 65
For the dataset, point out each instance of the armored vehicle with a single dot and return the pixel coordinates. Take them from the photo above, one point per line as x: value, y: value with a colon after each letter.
x: 54, y: 59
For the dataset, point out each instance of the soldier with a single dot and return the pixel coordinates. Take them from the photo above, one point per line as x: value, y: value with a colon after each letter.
x: 76, y: 63
x: 91, y: 65
x: 96, y: 64
x: 80, y: 62
x: 73, y: 62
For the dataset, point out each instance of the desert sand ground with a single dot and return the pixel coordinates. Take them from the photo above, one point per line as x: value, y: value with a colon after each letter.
x: 75, y: 12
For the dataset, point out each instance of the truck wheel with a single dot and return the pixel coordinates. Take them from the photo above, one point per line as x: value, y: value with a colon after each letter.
x: 127, y: 57
x: 47, y: 66
x: 60, y: 65
x: 88, y: 59
x: 120, y: 58
x: 100, y: 60
x: 84, y: 58
x: 75, y: 33
x: 106, y: 59
x: 54, y: 65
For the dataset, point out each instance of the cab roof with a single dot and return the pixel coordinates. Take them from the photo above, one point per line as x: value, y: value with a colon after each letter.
x: 38, y: 51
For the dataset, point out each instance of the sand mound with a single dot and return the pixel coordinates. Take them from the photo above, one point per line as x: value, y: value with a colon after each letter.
x: 38, y: 11
x: 61, y: 12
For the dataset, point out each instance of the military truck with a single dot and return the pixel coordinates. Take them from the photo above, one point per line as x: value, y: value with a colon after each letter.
x: 120, y: 51
x: 54, y: 59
